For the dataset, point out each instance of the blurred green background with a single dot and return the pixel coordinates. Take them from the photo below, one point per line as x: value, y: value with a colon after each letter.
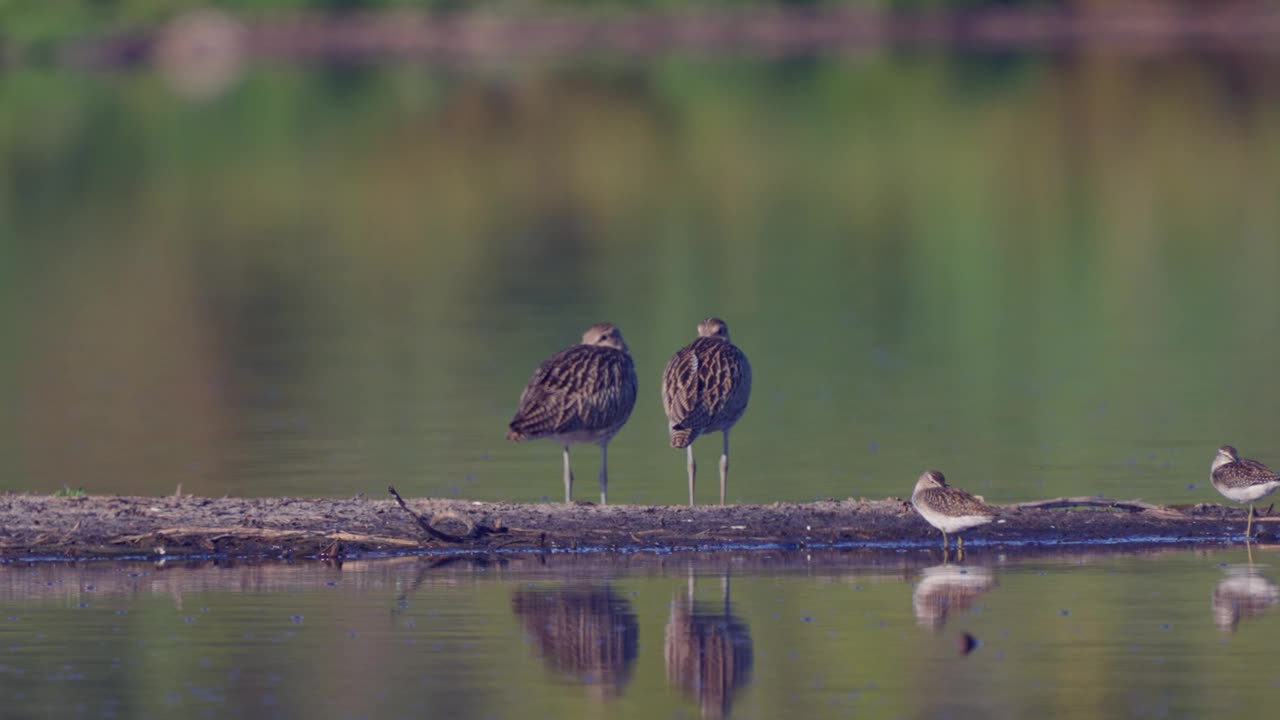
x: 1046, y: 268
x: 1042, y: 272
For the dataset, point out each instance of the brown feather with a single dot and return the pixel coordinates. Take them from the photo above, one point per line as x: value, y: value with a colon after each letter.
x: 584, y: 390
x: 705, y: 388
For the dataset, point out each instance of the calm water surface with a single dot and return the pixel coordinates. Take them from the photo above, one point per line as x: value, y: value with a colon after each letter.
x: 758, y: 635
x: 1044, y: 275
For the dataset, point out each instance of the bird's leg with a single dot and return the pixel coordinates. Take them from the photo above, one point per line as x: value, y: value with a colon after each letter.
x: 724, y: 466
x: 944, y: 541
x: 568, y: 477
x: 693, y: 469
x: 1249, y: 525
x: 960, y: 548
x: 604, y: 473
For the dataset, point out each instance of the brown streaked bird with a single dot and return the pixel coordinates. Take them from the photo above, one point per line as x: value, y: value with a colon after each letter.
x: 583, y: 393
x: 948, y: 508
x: 705, y: 388
x: 1242, y: 480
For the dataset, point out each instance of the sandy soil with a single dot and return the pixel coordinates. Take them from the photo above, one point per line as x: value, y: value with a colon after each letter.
x: 37, y: 526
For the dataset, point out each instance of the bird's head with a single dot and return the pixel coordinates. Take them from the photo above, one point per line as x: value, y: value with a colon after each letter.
x: 605, y: 335
x: 714, y: 327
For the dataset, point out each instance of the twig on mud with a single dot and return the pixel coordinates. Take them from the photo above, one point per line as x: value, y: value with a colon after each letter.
x: 1066, y: 502
x: 474, y: 530
x: 67, y: 535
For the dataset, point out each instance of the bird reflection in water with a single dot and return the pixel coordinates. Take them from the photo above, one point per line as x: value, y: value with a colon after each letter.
x: 708, y: 650
x: 588, y: 632
x: 1243, y: 593
x: 945, y: 588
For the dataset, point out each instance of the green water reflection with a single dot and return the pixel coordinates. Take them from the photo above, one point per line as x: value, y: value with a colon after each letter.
x: 1044, y: 275
x: 756, y: 635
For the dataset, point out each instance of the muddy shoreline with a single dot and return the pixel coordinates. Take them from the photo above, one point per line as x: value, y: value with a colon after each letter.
x: 45, y: 527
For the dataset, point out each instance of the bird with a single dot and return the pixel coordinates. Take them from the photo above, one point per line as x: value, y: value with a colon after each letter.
x: 705, y: 388
x: 948, y: 508
x: 584, y: 393
x: 1242, y: 480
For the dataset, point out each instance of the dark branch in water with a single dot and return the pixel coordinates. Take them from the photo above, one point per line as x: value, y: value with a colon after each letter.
x: 474, y: 530
x: 425, y: 525
x: 1095, y: 501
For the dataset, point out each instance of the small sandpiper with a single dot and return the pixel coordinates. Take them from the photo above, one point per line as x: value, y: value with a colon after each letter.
x: 1242, y: 480
x: 949, y: 509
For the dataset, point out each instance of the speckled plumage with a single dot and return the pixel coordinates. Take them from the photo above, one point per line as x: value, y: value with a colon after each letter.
x: 584, y: 393
x: 949, y: 509
x: 1241, y: 479
x: 705, y: 388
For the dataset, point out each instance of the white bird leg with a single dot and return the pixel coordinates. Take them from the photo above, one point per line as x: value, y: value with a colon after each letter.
x: 604, y: 473
x: 568, y: 477
x: 693, y: 469
x: 724, y: 466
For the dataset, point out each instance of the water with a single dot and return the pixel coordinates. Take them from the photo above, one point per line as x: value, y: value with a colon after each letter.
x: 834, y: 634
x: 1044, y: 275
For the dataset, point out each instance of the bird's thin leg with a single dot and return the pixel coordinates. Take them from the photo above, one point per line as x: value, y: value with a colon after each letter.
x: 604, y: 473
x: 944, y: 540
x: 693, y: 469
x: 568, y: 477
x: 960, y: 548
x: 724, y: 466
x: 1249, y: 525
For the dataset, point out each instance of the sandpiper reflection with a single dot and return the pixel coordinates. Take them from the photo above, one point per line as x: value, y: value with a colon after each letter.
x: 708, y: 650
x: 945, y: 588
x: 588, y: 632
x: 1243, y: 593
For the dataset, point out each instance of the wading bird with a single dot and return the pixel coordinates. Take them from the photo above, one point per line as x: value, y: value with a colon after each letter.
x: 1242, y: 480
x: 583, y: 393
x: 949, y: 509
x: 705, y: 388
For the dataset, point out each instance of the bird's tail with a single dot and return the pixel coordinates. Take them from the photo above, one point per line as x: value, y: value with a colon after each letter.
x: 515, y: 435
x: 682, y: 437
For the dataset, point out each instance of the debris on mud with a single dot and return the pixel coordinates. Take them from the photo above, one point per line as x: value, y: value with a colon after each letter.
x: 38, y: 526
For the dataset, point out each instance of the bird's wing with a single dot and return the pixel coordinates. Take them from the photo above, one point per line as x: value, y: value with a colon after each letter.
x: 579, y: 388
x: 682, y: 388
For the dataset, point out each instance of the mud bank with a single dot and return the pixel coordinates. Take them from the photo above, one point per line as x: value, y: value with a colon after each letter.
x: 44, y: 527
